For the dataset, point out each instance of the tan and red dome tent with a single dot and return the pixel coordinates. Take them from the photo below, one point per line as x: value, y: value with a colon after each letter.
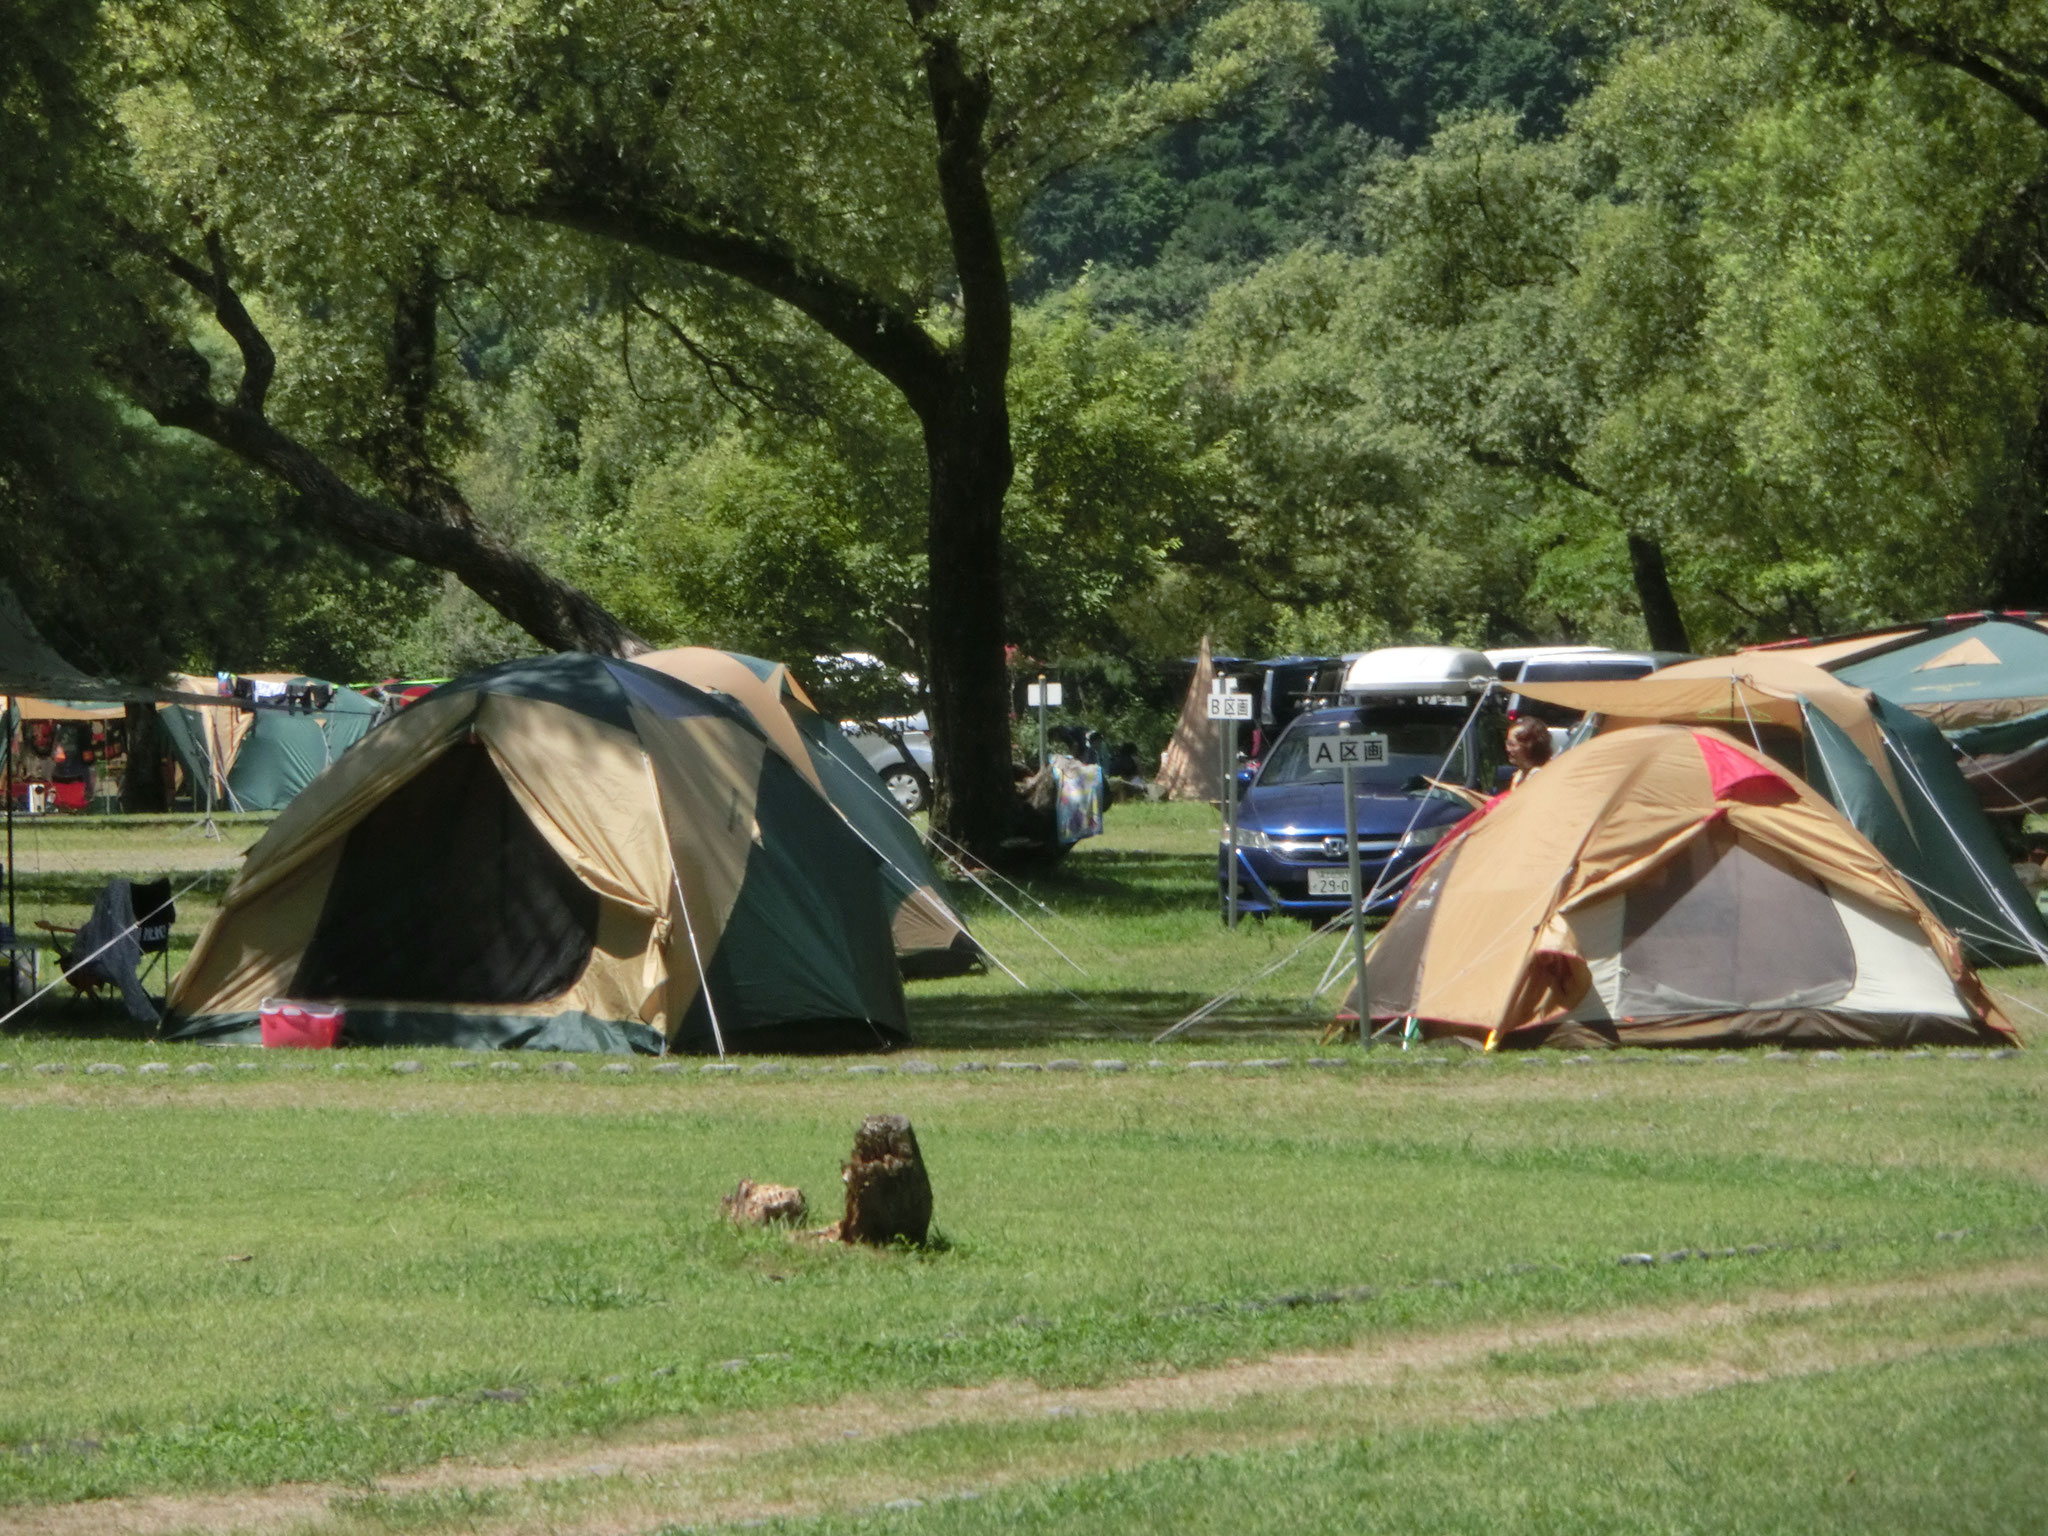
x: 1671, y: 886
x: 1883, y: 767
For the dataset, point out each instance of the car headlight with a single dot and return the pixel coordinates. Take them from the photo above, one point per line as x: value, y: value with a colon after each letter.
x: 1424, y: 837
x: 1249, y: 840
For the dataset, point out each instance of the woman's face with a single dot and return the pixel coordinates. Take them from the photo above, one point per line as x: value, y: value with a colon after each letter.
x: 1518, y: 750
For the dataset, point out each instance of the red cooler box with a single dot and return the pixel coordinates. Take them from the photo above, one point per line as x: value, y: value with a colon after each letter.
x: 299, y: 1026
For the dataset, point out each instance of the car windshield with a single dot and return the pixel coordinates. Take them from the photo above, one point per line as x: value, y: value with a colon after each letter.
x: 1419, y: 740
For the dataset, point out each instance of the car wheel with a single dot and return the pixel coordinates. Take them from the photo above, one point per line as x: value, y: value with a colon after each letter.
x: 908, y: 787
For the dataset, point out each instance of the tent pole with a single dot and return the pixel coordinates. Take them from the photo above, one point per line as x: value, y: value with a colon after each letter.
x: 13, y: 939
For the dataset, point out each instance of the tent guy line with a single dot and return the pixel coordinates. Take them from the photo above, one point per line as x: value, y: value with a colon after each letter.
x: 1913, y: 772
x: 895, y: 810
x: 1343, y: 918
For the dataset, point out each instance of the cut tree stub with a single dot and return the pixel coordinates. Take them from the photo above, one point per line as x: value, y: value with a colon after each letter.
x: 760, y: 1204
x: 888, y: 1194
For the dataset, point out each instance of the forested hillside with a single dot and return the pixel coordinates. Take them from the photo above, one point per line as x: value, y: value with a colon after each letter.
x: 362, y: 337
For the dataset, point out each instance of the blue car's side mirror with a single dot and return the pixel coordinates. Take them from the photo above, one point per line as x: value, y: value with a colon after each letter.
x: 1244, y: 777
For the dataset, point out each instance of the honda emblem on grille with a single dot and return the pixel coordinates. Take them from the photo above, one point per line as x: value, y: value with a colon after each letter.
x: 1333, y: 847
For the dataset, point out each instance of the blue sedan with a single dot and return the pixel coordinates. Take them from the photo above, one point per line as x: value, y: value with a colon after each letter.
x: 1291, y: 854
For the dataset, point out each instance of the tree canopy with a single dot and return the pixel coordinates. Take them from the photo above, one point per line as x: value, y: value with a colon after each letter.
x: 357, y: 336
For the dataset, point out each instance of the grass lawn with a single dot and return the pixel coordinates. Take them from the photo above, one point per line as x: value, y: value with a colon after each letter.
x: 1176, y: 1288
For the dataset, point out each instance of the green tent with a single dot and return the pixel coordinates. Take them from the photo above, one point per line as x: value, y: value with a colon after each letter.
x: 1933, y: 831
x: 931, y: 938
x: 278, y: 751
x: 569, y: 853
x: 1984, y: 682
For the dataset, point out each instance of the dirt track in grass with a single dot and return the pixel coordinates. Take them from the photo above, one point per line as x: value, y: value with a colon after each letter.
x: 802, y: 1461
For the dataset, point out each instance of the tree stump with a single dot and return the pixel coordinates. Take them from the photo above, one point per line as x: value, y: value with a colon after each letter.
x: 888, y: 1194
x: 760, y: 1204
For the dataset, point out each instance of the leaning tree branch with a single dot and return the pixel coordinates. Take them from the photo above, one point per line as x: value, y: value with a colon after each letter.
x: 2019, y: 80
x: 168, y: 377
x: 725, y: 377
x: 590, y: 194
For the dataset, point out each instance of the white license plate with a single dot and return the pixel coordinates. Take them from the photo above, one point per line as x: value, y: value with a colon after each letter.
x: 1329, y: 882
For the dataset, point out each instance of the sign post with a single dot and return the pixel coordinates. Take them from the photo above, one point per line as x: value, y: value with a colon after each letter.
x: 1350, y: 752
x: 1227, y: 706
x: 1042, y: 759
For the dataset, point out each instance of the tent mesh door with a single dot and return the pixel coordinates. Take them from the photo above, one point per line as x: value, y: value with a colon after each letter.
x: 1721, y: 927
x: 447, y: 893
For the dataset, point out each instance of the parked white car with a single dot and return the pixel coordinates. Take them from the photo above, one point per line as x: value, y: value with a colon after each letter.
x: 900, y: 752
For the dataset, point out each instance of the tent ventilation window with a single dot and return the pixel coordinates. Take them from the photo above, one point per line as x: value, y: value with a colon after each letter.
x: 447, y: 892
x: 1723, y: 928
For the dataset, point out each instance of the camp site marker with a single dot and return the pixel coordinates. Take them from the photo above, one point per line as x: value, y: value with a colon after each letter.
x: 1332, y: 750
x: 1352, y: 751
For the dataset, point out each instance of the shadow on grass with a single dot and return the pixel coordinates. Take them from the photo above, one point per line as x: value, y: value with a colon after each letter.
x: 1042, y: 1016
x: 63, y: 1016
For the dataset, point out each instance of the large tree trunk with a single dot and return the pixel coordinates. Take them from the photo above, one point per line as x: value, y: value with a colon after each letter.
x: 969, y: 684
x: 143, y: 786
x: 1653, y: 589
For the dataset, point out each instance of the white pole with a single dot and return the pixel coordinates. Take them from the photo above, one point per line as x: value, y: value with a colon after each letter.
x: 1041, y: 720
x: 1357, y: 890
x: 1226, y: 729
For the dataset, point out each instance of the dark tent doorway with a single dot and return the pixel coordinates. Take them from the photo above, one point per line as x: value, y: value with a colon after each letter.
x: 447, y: 892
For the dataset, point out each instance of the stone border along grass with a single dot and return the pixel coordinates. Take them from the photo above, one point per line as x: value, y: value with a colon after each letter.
x: 917, y: 1067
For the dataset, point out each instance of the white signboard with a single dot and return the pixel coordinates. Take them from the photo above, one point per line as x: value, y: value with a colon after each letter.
x: 1230, y: 706
x: 1050, y: 690
x: 1368, y: 750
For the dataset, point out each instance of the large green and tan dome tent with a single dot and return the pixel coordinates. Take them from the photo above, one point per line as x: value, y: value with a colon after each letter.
x: 1670, y: 886
x: 566, y: 853
x: 931, y: 939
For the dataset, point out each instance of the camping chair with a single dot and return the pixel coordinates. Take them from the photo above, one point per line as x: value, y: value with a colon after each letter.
x: 106, y: 949
x: 154, y: 914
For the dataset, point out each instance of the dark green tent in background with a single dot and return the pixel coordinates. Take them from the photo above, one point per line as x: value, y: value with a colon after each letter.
x: 1984, y: 683
x: 261, y: 759
x: 1934, y: 831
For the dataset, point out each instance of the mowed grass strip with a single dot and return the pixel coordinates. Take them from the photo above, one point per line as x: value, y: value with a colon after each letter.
x: 226, y: 1282
x: 1941, y: 1443
x: 927, y: 1448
